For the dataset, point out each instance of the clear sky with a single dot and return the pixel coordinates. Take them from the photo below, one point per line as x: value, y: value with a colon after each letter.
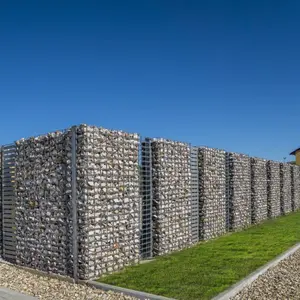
x: 224, y: 74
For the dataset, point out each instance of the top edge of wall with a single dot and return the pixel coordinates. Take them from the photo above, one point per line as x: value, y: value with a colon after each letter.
x: 61, y: 131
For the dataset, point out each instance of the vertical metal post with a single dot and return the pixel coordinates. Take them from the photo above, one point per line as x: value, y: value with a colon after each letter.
x: 74, y: 206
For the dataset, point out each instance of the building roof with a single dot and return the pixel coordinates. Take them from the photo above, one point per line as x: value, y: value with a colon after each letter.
x: 295, y: 151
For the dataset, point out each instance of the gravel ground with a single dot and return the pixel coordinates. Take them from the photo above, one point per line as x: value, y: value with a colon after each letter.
x: 279, y: 282
x: 45, y: 288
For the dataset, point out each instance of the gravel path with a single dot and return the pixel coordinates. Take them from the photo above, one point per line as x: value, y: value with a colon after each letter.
x: 279, y: 282
x: 45, y: 288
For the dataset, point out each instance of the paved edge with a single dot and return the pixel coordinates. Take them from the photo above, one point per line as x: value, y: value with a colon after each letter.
x: 236, y: 288
x: 124, y: 291
x: 10, y: 294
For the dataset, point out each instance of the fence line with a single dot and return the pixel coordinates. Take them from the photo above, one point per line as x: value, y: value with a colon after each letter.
x: 77, y: 202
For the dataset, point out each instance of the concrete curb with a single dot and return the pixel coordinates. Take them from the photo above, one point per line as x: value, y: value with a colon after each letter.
x: 6, y: 294
x: 128, y: 292
x: 236, y: 288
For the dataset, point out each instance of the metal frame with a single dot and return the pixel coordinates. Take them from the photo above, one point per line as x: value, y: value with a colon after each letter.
x: 194, y: 194
x: 8, y: 203
x: 146, y: 246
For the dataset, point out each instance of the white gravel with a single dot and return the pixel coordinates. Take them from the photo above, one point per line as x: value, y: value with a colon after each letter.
x: 46, y: 288
x: 279, y: 282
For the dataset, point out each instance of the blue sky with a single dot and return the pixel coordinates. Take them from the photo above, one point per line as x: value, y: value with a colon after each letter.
x: 218, y: 73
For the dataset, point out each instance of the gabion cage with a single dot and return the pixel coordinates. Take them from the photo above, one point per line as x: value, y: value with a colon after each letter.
x: 285, y: 188
x: 259, y: 192
x: 273, y: 175
x: 171, y: 196
x: 107, y: 201
x: 295, y: 177
x: 212, y: 193
x: 239, y: 190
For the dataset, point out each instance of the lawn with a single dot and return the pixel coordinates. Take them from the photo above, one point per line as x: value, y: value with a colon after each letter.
x: 207, y: 269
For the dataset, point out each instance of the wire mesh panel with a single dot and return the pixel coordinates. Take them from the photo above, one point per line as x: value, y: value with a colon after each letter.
x: 43, y: 203
x: 8, y: 202
x: 108, y: 200
x: 259, y: 194
x: 285, y: 188
x: 194, y: 194
x: 212, y: 192
x: 239, y: 190
x: 171, y: 196
x: 273, y: 181
x: 295, y: 178
x: 146, y: 193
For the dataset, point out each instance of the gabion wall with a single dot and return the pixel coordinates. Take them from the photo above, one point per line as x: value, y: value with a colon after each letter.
x: 107, y: 198
x: 212, y: 193
x: 286, y: 188
x: 273, y: 174
x: 295, y: 177
x: 259, y: 194
x: 239, y: 190
x: 171, y: 196
x: 42, y: 203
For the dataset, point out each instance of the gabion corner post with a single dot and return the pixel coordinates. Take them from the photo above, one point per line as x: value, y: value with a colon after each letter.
x: 295, y: 178
x: 171, y: 173
x: 212, y: 193
x: 273, y: 189
x: 43, y: 203
x: 259, y: 194
x: 285, y: 188
x: 109, y: 200
x: 146, y: 199
x: 238, y: 190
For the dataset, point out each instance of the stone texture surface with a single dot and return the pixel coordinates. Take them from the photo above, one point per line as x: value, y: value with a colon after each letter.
x: 43, y: 222
x: 239, y: 190
x: 108, y: 200
x: 273, y: 171
x: 107, y: 196
x: 286, y: 188
x: 259, y: 195
x: 45, y: 288
x: 212, y: 193
x: 171, y: 196
x: 279, y: 282
x: 295, y: 177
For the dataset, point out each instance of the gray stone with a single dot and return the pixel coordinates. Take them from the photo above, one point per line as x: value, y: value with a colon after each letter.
x: 212, y: 193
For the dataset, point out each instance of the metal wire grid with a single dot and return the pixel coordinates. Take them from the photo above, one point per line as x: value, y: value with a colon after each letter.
x: 8, y: 202
x: 171, y: 211
x: 286, y: 199
x: 146, y: 249
x: 273, y: 180
x: 238, y: 190
x: 194, y: 194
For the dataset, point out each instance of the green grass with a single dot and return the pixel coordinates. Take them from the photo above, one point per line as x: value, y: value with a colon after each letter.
x: 209, y: 268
